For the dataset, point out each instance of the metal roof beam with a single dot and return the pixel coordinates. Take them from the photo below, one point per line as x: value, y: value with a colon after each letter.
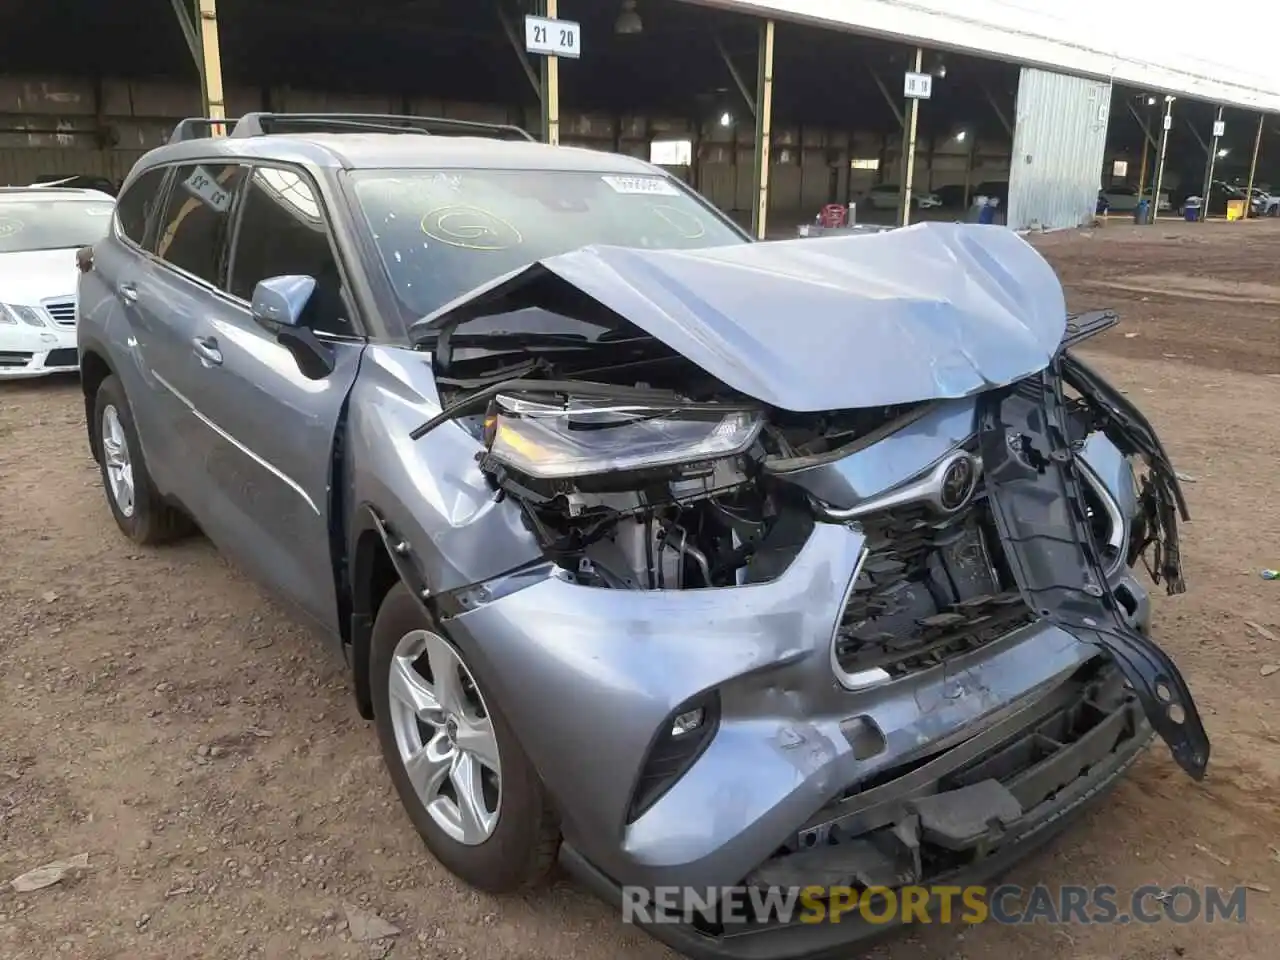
x: 185, y: 20
x: 893, y: 104
x: 509, y: 28
x: 1196, y: 133
x: 1146, y: 130
x: 1000, y: 114
x: 737, y: 76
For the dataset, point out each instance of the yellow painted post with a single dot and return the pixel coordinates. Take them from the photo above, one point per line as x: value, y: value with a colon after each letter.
x: 551, y: 87
x: 211, y: 68
x: 764, y: 127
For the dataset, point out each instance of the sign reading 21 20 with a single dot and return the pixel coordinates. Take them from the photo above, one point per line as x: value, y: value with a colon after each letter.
x: 552, y: 38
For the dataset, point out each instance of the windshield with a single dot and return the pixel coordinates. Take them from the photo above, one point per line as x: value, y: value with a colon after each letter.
x: 440, y: 233
x: 52, y: 224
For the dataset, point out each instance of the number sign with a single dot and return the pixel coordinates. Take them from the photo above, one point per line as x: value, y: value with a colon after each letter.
x: 552, y: 38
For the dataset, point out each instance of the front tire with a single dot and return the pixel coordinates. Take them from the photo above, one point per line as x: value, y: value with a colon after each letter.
x: 139, y: 510
x: 468, y: 787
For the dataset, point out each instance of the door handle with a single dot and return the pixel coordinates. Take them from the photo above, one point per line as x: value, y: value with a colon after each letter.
x: 129, y: 292
x: 206, y: 348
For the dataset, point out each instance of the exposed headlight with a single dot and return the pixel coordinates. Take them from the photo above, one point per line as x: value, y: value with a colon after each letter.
x: 13, y: 313
x: 581, y: 437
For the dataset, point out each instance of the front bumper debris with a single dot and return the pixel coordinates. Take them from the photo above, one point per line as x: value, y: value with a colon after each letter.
x: 1034, y: 484
x: 962, y: 817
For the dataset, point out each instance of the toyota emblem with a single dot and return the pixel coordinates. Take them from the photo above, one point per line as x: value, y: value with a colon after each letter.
x: 958, y: 483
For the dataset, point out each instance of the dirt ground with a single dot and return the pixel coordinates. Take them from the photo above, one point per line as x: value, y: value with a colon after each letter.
x: 159, y: 715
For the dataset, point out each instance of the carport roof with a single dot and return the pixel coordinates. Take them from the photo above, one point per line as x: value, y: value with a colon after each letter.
x: 1143, y: 43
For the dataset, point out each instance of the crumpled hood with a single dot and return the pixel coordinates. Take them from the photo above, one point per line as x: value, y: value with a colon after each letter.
x: 931, y: 311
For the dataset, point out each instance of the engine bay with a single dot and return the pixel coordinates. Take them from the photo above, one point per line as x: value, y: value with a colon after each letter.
x: 637, y: 469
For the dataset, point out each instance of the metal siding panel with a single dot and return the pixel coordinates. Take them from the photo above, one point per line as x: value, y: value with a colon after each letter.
x: 21, y: 165
x: 1059, y: 138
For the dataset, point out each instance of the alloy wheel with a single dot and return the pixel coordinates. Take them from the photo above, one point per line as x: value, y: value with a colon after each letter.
x: 118, y: 462
x: 445, y: 737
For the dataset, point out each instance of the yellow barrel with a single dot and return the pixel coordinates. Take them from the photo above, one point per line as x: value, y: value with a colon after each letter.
x: 1235, y: 209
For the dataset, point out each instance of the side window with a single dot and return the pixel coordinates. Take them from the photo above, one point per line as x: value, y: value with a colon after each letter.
x: 193, y: 229
x: 282, y: 233
x: 137, y: 203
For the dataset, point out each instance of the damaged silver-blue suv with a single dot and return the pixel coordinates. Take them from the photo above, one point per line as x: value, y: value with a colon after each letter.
x: 691, y: 561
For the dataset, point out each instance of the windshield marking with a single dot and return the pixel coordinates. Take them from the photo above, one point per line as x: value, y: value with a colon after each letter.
x: 471, y: 228
x: 10, y: 226
x: 688, y: 225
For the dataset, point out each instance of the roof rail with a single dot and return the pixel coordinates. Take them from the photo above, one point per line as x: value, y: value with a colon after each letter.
x: 259, y: 124
x: 196, y: 128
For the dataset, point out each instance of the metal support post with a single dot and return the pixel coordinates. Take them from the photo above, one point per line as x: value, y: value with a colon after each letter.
x: 1142, y: 172
x: 912, y: 125
x: 1164, y: 146
x: 1208, y: 172
x: 968, y: 167
x: 1253, y: 168
x: 211, y: 65
x: 764, y: 124
x: 551, y: 85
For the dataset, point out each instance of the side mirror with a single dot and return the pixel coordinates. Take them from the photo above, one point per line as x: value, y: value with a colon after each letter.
x: 279, y: 302
x: 282, y: 299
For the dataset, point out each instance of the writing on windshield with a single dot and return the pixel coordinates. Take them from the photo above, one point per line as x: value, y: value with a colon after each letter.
x: 441, y: 233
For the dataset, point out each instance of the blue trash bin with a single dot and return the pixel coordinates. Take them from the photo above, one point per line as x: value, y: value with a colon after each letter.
x: 988, y: 212
x: 1191, y: 209
x: 1143, y: 212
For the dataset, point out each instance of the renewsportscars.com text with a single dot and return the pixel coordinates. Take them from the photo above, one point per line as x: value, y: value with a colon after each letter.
x: 1005, y: 904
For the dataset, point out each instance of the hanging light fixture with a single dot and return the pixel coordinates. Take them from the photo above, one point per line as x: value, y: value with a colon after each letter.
x: 629, y: 21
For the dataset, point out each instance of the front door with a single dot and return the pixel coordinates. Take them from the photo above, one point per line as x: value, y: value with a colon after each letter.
x: 272, y: 429
x: 168, y: 299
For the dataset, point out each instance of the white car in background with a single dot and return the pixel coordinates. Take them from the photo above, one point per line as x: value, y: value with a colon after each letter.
x: 1122, y: 198
x: 885, y: 196
x: 41, y: 228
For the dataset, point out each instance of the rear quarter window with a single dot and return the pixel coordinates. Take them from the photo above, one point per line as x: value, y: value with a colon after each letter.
x: 136, y: 205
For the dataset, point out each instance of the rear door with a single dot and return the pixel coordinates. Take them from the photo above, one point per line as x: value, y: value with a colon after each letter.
x: 272, y: 429
x: 107, y: 316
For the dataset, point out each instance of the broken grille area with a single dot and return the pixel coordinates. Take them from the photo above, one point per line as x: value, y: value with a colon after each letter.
x: 924, y: 826
x: 931, y: 586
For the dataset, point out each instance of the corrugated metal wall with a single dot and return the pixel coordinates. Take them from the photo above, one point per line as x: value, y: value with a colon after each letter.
x: 1058, y: 142
x: 51, y: 125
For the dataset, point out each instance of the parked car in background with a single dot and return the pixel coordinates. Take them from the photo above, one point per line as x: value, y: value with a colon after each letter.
x: 926, y: 200
x: 1221, y: 193
x: 952, y: 195
x: 1265, y: 203
x: 1122, y: 198
x: 886, y: 196
x: 78, y: 181
x: 40, y: 231
x: 639, y: 553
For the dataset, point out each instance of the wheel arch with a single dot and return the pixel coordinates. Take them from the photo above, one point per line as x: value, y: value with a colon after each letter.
x: 379, y: 561
x: 94, y: 368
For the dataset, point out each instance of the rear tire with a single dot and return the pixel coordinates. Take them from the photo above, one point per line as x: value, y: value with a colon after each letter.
x: 139, y: 511
x: 513, y: 843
